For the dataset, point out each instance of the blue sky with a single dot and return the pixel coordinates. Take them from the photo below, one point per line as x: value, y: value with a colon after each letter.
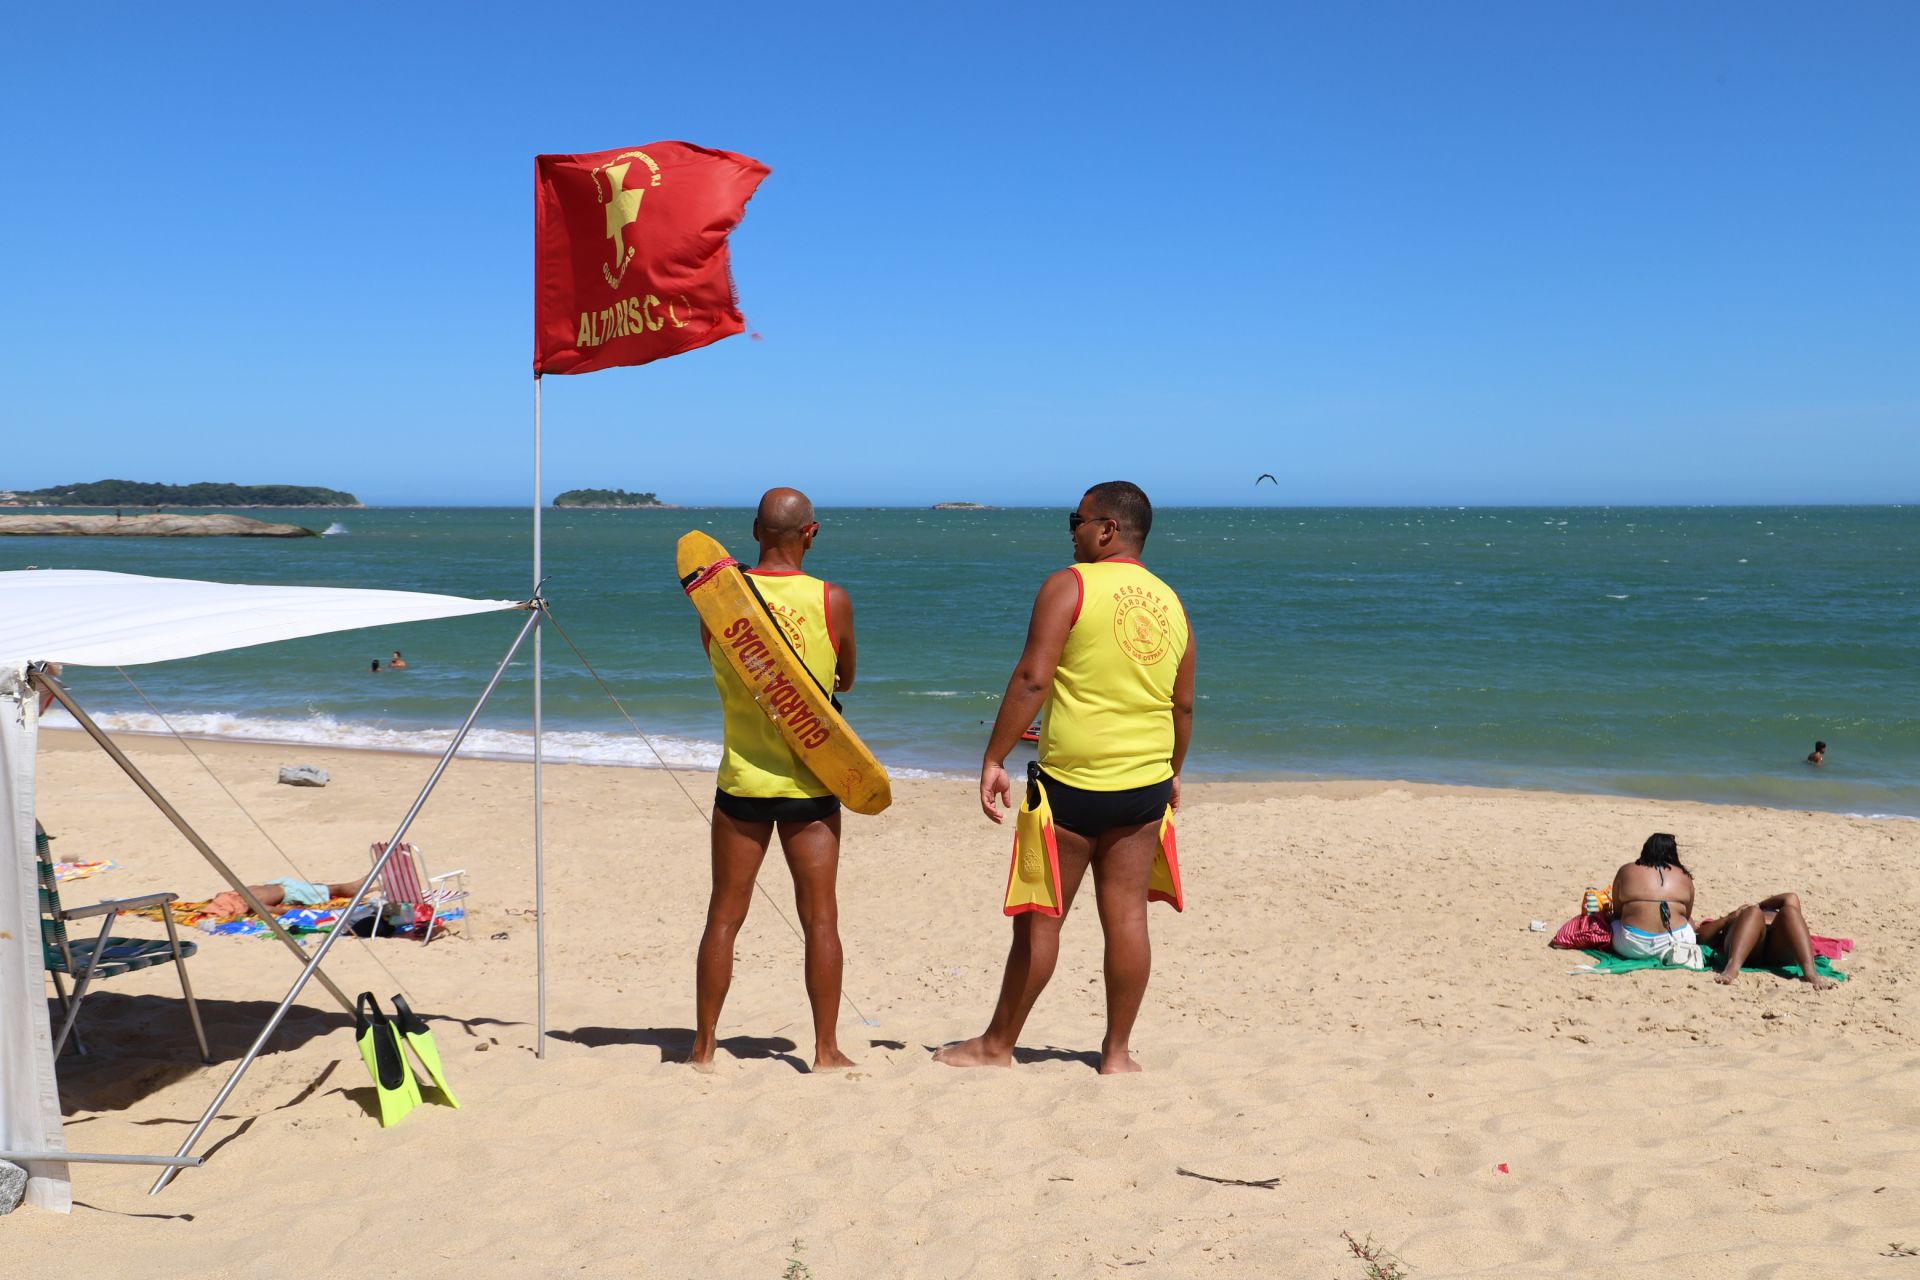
x: 1391, y: 252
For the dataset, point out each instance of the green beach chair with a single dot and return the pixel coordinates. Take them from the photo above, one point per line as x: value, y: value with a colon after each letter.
x: 104, y: 956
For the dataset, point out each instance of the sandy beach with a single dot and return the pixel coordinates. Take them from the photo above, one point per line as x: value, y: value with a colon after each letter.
x: 1351, y: 1010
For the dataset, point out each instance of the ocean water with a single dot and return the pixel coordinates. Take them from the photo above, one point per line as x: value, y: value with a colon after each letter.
x: 1691, y: 653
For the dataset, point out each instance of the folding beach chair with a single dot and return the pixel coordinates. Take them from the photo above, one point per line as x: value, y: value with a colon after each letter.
x: 104, y: 956
x: 405, y: 882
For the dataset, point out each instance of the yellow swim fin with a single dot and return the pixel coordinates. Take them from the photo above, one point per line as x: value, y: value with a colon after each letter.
x: 393, y: 1082
x: 1033, y: 881
x: 1163, y: 885
x: 414, y: 1030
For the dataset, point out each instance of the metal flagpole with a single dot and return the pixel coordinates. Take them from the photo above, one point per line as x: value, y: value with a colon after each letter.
x: 539, y: 833
x: 327, y: 941
x: 44, y: 680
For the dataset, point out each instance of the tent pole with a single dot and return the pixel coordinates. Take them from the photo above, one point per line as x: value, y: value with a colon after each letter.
x: 82, y: 1157
x: 326, y: 942
x: 46, y: 682
x: 539, y: 816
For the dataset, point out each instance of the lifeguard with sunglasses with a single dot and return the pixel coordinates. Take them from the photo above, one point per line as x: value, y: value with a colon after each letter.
x: 1110, y: 655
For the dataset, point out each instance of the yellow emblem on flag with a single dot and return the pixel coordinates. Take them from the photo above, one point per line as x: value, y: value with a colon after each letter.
x: 623, y: 207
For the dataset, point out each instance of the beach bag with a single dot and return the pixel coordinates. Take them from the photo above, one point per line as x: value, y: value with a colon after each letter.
x: 1592, y: 928
x: 1685, y: 955
x: 1033, y: 881
x: 1584, y: 933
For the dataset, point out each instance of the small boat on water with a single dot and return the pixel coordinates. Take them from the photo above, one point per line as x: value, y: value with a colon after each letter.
x: 1032, y: 734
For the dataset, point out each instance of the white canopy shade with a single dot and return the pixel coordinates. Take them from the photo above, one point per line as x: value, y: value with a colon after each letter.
x: 89, y: 618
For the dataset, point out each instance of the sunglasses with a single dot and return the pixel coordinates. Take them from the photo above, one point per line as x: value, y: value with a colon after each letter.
x: 1075, y: 520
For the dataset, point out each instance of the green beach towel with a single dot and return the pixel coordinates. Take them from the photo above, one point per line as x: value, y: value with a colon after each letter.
x: 1607, y: 962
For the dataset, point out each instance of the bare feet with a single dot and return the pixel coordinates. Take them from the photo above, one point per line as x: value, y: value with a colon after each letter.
x: 972, y: 1053
x: 700, y: 1057
x: 1726, y: 977
x: 1820, y: 983
x: 1117, y: 1062
x: 831, y: 1060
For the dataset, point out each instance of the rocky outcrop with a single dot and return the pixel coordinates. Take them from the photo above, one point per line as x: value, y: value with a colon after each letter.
x: 13, y: 1186
x: 149, y: 526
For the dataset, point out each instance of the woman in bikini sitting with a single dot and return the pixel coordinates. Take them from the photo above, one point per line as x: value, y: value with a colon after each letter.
x: 1653, y: 911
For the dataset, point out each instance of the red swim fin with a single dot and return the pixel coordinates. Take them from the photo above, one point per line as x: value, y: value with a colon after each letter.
x: 1033, y: 880
x: 1164, y: 883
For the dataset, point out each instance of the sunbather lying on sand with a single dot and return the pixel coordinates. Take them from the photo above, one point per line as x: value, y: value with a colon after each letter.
x: 1653, y: 913
x: 1772, y: 931
x: 285, y: 891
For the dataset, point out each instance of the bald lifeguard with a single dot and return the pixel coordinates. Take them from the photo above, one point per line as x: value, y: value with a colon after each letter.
x: 783, y: 515
x: 763, y: 787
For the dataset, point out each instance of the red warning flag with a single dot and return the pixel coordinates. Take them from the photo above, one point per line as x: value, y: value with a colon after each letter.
x: 630, y: 253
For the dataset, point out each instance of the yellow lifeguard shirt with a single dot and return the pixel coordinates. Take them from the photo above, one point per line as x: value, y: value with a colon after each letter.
x: 1108, y: 724
x: 755, y: 760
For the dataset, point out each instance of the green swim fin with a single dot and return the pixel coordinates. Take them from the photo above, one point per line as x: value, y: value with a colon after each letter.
x: 379, y: 1043
x: 413, y: 1029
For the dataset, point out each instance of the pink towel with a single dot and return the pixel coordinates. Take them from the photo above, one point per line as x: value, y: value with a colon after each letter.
x: 1831, y: 948
x: 1585, y: 931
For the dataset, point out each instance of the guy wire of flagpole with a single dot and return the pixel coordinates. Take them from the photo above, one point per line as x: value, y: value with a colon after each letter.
x: 333, y: 936
x: 539, y: 824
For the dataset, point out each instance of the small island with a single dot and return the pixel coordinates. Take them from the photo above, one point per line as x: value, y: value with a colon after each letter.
x: 604, y: 499
x: 961, y: 506
x: 139, y: 493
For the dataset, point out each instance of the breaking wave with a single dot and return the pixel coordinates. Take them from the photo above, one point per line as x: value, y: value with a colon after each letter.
x: 562, y: 746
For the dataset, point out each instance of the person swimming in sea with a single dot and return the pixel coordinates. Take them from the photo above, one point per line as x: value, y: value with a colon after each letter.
x: 1818, y: 755
x: 398, y: 663
x: 1653, y: 914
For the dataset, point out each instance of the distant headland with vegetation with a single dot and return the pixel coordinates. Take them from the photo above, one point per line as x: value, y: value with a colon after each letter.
x: 137, y: 493
x: 596, y: 498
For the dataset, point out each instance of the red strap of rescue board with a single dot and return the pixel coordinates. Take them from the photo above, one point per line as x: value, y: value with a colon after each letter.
x: 702, y: 576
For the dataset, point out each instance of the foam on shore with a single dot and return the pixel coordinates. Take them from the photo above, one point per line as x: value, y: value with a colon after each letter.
x: 561, y: 746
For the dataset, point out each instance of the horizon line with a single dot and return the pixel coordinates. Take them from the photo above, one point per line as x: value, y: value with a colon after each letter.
x: 1168, y: 506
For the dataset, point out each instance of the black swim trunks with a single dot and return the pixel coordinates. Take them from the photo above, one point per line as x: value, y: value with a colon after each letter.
x: 775, y: 808
x: 1093, y: 813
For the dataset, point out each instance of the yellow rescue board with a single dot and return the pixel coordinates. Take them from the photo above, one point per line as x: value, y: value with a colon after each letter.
x: 779, y: 681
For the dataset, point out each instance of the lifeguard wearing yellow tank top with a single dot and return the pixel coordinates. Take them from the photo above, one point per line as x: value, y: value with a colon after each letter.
x: 1108, y: 724
x: 756, y: 760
